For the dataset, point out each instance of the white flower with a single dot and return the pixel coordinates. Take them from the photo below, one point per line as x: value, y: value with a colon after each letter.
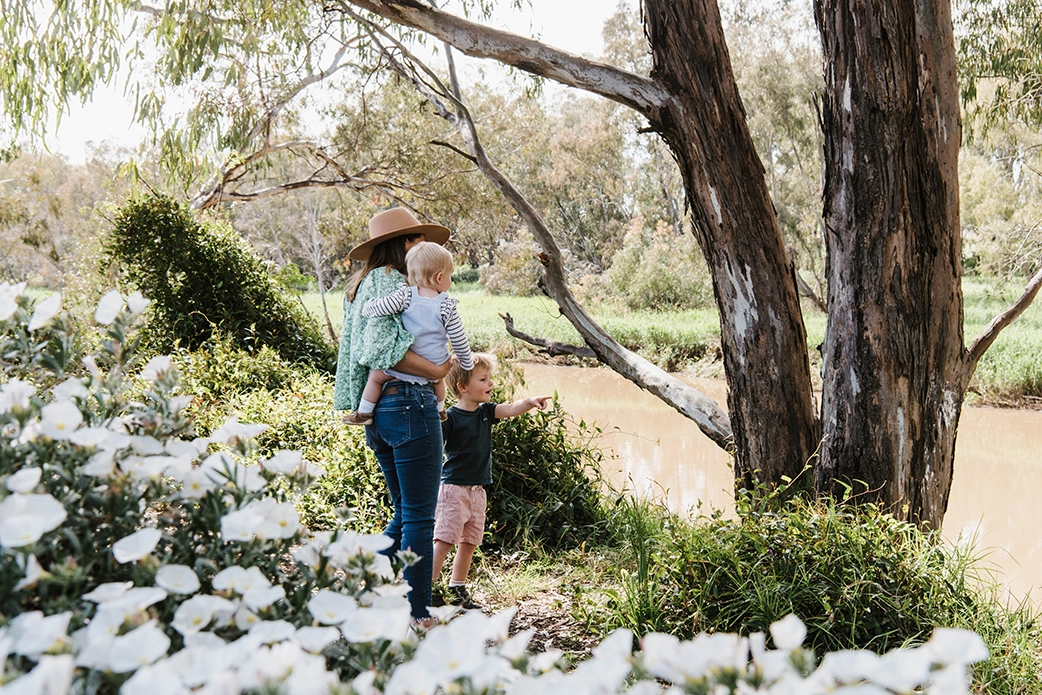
x: 240, y: 525
x: 261, y: 597
x: 45, y: 311
x: 156, y: 367
x: 9, y: 299
x: 96, y: 436
x: 233, y: 430
x: 315, y: 639
x: 109, y: 307
x: 108, y: 592
x: 331, y: 608
x: 178, y: 579
x: 902, y: 670
x: 70, y: 389
x: 161, y: 678
x: 251, y: 578
x: 139, y: 647
x: 284, y: 462
x: 196, y: 484
x: 225, y: 579
x: 33, y: 572
x: 412, y: 678
x: 32, y: 634
x: 58, y: 420
x: 146, y: 445
x: 368, y: 624
x: 24, y: 518
x: 100, y: 465
x: 955, y: 646
x: 137, y: 545
x: 132, y: 602
x: 137, y: 303
x: 51, y: 676
x: 15, y: 394
x: 848, y: 665
x: 271, y: 631
x: 244, y: 618
x: 24, y: 480
x: 196, y: 613
x: 280, y: 521
x: 788, y: 633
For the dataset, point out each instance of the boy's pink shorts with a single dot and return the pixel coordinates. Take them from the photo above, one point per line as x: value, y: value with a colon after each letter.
x: 460, y: 517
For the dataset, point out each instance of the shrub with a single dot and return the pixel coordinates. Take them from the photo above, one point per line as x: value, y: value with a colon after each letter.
x: 202, y: 278
x: 516, y: 270
x: 656, y: 269
x: 858, y: 578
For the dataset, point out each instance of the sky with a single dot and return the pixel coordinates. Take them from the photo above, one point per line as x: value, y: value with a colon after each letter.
x: 573, y: 25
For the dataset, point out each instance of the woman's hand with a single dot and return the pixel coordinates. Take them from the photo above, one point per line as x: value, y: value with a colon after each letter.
x: 414, y: 364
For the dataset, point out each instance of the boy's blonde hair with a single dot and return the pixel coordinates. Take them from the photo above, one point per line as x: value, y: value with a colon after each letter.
x: 425, y: 260
x: 458, y: 375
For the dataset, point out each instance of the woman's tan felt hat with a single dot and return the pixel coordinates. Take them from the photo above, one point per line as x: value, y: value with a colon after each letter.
x: 394, y: 223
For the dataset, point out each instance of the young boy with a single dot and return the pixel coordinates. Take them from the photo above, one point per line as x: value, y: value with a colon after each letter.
x: 428, y: 313
x: 460, y: 516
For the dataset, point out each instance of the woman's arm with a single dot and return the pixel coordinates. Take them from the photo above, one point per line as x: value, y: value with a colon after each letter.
x: 414, y: 364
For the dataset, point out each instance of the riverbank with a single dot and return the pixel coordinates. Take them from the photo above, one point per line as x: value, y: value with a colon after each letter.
x: 1009, y: 375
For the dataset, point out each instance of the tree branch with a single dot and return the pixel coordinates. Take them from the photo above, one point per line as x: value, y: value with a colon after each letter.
x: 982, y: 343
x: 550, y: 347
x: 639, y: 93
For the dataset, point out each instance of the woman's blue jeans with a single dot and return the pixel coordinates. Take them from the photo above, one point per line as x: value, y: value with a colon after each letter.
x: 406, y: 438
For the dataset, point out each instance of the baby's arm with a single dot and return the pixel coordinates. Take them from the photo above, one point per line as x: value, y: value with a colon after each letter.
x: 457, y: 336
x: 505, y: 410
x: 394, y: 303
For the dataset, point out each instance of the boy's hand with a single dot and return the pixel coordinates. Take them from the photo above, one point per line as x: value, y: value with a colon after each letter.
x: 539, y: 402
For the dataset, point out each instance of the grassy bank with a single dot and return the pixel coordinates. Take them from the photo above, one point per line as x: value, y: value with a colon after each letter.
x: 1009, y: 374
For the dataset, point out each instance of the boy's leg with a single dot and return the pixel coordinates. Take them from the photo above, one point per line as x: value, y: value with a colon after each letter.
x: 461, y: 565
x: 441, y: 551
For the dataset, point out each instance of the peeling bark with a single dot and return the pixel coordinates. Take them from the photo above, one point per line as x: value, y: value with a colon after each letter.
x: 895, y: 373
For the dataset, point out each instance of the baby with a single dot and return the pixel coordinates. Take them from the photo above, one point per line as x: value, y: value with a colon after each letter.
x: 428, y: 313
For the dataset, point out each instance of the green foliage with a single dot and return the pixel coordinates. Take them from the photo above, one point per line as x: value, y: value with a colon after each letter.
x: 295, y: 402
x: 516, y: 270
x: 202, y: 278
x: 856, y: 577
x: 656, y: 269
x: 999, y: 51
x: 546, y: 484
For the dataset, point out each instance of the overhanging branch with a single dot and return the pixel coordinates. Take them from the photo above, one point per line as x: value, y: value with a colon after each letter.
x: 479, y: 41
x: 982, y: 343
x: 550, y: 347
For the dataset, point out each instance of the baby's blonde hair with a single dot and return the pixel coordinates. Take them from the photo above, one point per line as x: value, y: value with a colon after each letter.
x: 458, y: 375
x: 425, y: 260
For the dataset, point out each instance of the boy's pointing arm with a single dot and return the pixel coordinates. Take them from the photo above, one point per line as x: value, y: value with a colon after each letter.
x: 505, y: 410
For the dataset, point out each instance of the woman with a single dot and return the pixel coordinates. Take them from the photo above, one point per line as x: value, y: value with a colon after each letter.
x: 406, y: 432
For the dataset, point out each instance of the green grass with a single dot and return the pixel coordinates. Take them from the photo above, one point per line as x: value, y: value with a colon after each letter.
x: 1010, y: 372
x: 856, y: 577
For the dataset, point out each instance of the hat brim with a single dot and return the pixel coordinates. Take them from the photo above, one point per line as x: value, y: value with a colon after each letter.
x: 432, y: 232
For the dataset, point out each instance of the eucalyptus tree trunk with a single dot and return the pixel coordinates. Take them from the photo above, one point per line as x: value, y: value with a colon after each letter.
x: 763, y: 340
x: 895, y: 369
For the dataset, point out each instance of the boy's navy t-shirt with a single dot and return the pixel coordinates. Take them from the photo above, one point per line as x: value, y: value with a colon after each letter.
x: 468, y: 445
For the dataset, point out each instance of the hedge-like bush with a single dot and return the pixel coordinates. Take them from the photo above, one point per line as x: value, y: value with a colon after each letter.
x: 202, y: 278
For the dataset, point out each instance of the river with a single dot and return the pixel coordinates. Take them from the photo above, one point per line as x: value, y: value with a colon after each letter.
x: 655, y: 451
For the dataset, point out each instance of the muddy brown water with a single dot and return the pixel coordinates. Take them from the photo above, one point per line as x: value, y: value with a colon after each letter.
x: 655, y: 451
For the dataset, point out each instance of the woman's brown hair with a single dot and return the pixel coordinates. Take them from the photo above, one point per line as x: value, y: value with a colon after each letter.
x: 390, y: 254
